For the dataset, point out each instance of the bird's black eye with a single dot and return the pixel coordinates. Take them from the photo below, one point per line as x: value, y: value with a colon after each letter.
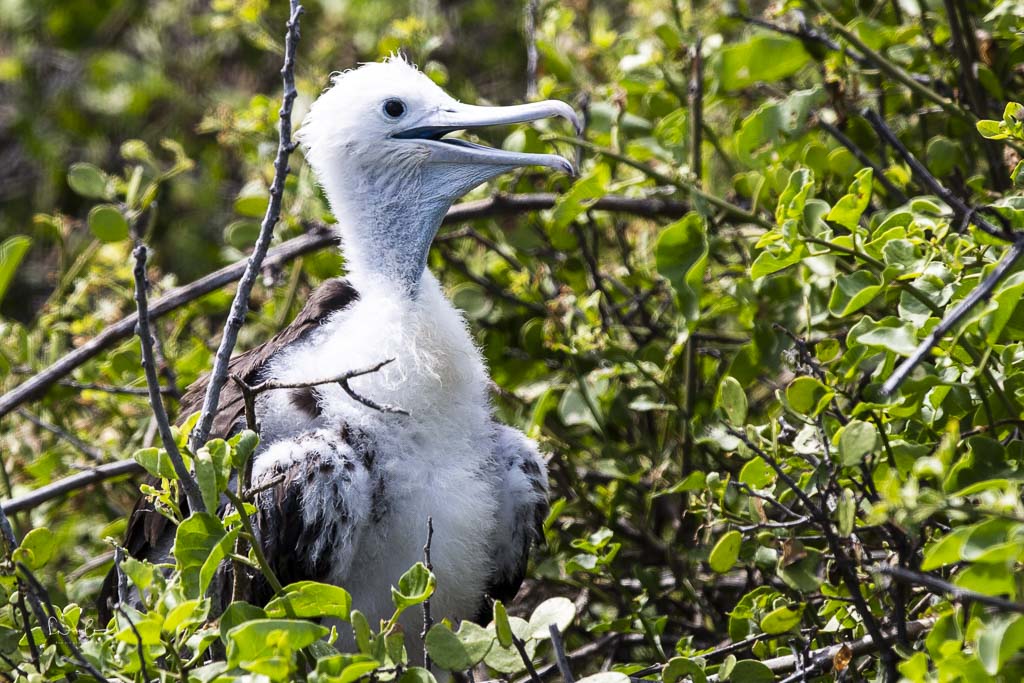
x: 394, y: 108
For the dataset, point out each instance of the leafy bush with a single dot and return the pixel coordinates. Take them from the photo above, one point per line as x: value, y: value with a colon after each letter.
x: 709, y: 331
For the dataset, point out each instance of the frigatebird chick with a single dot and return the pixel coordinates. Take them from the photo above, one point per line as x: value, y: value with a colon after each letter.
x: 352, y: 486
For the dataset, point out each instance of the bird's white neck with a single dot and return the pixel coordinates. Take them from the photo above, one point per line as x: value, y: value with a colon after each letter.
x: 387, y: 221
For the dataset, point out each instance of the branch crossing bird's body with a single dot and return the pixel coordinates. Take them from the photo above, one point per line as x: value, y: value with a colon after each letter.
x: 349, y: 488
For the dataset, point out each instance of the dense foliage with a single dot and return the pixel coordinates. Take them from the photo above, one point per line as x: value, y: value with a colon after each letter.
x: 811, y: 189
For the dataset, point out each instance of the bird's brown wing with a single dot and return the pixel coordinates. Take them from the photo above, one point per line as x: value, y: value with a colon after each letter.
x: 149, y: 533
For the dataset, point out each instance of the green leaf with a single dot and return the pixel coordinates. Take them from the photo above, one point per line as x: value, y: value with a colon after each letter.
x: 999, y: 641
x: 107, y: 223
x: 461, y: 651
x: 558, y: 611
x: 156, y: 462
x: 681, y: 257
x: 757, y: 474
x: 502, y: 627
x: 847, y: 512
x: 213, y: 471
x: 415, y: 585
x: 242, y: 234
x: 739, y: 66
x: 856, y: 440
x: 243, y: 445
x: 416, y: 674
x: 264, y: 638
x: 88, y: 180
x: 768, y: 262
x: 733, y: 400
x: 311, y: 600
x: 506, y: 659
x: 782, y: 619
x: 794, y: 198
x: 238, y: 613
x: 853, y: 292
x: 890, y: 334
x: 751, y: 671
x: 12, y: 251
x: 677, y: 667
x: 584, y: 192
x: 253, y: 200
x: 776, y: 122
x: 945, y: 550
x: 36, y: 548
x: 726, y: 551
x: 993, y: 130
x: 197, y: 538
x: 808, y: 396
x: 605, y: 677
x: 850, y: 208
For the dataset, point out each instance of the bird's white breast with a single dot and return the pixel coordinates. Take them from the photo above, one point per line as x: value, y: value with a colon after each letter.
x: 436, y: 462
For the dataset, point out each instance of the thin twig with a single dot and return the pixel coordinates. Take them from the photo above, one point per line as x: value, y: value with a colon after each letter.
x: 91, y: 452
x: 843, y: 563
x: 240, y: 305
x: 257, y: 549
x: 138, y: 642
x: 525, y: 656
x: 894, y: 192
x: 559, y: 647
x: 980, y: 293
x: 428, y: 619
x: 934, y: 583
x: 40, y: 592
x: 188, y: 484
x: 342, y: 380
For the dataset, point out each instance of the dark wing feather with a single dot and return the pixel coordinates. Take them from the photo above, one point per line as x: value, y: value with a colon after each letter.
x: 147, y: 531
x: 328, y: 298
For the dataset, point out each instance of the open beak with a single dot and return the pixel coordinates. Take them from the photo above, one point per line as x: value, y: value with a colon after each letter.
x: 432, y: 128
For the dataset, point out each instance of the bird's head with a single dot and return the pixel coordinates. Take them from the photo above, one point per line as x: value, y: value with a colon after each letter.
x: 377, y: 141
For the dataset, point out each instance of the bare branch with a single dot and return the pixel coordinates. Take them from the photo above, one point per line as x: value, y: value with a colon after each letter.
x: 980, y: 293
x: 74, y: 482
x: 240, y: 305
x: 34, y: 387
x: 188, y: 484
x: 342, y: 380
x: 85, y: 449
x: 560, y: 659
x: 936, y: 584
x: 428, y: 619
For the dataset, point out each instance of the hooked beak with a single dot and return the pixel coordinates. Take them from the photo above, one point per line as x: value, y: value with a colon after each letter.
x: 432, y: 128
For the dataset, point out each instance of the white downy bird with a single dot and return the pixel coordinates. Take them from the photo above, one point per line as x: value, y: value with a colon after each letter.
x: 359, y: 484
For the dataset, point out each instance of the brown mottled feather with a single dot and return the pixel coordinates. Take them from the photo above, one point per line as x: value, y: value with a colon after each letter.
x: 146, y: 527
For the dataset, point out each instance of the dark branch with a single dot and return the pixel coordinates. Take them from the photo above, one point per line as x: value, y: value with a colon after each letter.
x: 74, y: 482
x: 85, y: 449
x: 188, y: 484
x: 560, y: 659
x: 935, y: 584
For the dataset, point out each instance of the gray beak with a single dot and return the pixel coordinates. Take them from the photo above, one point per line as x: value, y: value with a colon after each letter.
x: 431, y: 129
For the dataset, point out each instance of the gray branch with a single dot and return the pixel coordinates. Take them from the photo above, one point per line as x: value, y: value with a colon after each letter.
x: 188, y: 484
x: 240, y: 305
